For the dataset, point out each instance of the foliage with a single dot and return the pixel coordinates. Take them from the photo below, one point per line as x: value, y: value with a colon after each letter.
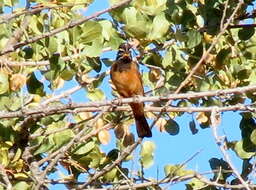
x: 172, y: 37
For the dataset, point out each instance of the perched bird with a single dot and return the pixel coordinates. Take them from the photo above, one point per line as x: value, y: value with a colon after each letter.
x: 125, y: 76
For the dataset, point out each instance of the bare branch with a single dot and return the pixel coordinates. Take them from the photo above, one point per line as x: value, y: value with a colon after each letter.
x: 221, y: 142
x: 112, y: 105
x: 5, y: 178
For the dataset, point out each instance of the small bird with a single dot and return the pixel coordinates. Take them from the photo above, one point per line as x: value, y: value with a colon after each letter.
x: 125, y: 76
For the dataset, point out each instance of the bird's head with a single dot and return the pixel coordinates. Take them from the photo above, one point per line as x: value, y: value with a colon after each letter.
x: 124, y: 53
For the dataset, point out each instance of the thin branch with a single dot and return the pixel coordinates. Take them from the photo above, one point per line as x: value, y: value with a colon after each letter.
x: 242, y: 26
x: 11, y: 63
x: 8, y: 185
x: 205, y: 55
x: 7, y: 17
x: 220, y: 141
x: 224, y: 15
x: 107, y: 168
x: 65, y: 148
x: 71, y: 24
x: 62, y: 95
x: 69, y: 108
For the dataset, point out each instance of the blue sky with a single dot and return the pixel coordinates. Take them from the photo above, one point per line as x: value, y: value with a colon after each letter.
x: 170, y: 149
x: 179, y: 148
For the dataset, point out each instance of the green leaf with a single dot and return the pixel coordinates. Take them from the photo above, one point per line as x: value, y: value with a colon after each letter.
x: 62, y: 138
x: 171, y: 170
x: 195, y: 184
x: 84, y: 148
x: 67, y: 74
x: 151, y: 7
x: 147, y: 154
x: 52, y: 45
x: 107, y: 29
x: 96, y: 94
x: 56, y: 65
x: 246, y: 33
x: 46, y: 145
x: 147, y: 161
x: 91, y: 31
x: 222, y: 56
x: 108, y: 62
x: 35, y: 24
x: 132, y: 18
x: 172, y: 127
x: 168, y: 58
x: 35, y: 86
x: 109, y: 176
x: 160, y: 27
x: 21, y: 185
x: 253, y: 137
x: 93, y: 50
x: 148, y: 148
x: 194, y: 38
x: 4, y: 83
x: 241, y: 152
x: 93, y: 63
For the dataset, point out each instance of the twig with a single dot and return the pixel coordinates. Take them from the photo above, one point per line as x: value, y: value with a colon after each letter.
x: 32, y: 165
x: 71, y: 24
x: 107, y: 168
x: 62, y: 95
x: 11, y: 63
x: 205, y: 55
x: 5, y: 178
x: 65, y: 148
x: 224, y: 15
x: 220, y: 141
x: 7, y: 17
x: 90, y: 106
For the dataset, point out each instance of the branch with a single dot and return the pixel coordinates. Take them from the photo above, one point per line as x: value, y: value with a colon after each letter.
x: 221, y: 142
x: 5, y: 178
x: 11, y: 63
x: 69, y: 108
x: 71, y: 24
x: 7, y: 17
x: 205, y: 55
x: 242, y: 26
x: 107, y: 168
x: 65, y: 148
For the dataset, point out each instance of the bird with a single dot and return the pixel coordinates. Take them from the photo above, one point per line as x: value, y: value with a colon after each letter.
x: 127, y: 80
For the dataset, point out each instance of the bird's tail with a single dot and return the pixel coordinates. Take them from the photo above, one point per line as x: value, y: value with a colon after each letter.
x: 142, y: 127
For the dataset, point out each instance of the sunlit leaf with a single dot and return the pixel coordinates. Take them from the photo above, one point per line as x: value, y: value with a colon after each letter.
x: 104, y: 137
x: 194, y: 38
x: 95, y: 95
x: 4, y: 83
x: 241, y: 152
x: 159, y: 27
x: 84, y: 148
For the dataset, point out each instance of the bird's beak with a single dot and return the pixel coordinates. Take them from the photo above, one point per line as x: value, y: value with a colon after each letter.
x: 126, y: 55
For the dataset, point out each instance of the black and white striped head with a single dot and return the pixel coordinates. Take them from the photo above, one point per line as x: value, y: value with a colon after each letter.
x: 124, y: 53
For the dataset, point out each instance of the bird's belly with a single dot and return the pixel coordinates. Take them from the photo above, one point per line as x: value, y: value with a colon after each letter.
x: 127, y: 84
